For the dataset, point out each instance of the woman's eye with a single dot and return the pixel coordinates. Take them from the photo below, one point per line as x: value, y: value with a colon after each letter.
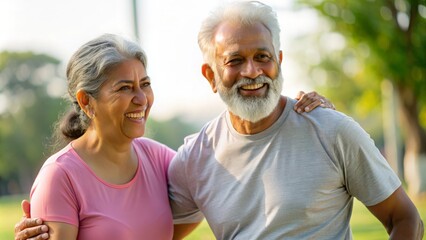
x: 123, y: 88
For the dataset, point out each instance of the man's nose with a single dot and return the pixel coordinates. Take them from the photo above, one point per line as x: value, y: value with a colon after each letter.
x: 251, y: 70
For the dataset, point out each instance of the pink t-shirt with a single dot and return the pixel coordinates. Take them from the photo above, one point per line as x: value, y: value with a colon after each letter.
x: 67, y: 190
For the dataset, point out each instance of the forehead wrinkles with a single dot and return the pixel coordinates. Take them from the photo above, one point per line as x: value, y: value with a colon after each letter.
x: 231, y: 37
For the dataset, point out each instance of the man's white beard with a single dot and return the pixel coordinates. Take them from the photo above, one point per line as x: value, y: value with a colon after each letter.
x: 251, y: 108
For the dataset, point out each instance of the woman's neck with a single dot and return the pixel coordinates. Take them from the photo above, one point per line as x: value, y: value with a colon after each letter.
x: 114, y: 162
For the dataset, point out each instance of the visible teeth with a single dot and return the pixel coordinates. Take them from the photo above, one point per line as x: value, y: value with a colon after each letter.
x: 252, y: 86
x: 136, y: 115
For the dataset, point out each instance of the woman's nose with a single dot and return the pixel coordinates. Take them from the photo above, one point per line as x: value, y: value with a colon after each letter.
x: 140, y: 97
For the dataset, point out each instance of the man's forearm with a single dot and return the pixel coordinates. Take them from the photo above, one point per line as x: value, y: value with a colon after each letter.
x: 407, y: 230
x: 421, y: 230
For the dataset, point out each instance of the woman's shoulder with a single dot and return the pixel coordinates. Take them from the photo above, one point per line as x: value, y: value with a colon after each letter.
x: 149, y: 143
x: 153, y: 153
x: 64, y: 156
x: 58, y: 166
x: 153, y: 148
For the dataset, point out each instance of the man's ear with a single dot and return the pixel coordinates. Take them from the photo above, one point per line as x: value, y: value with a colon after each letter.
x: 208, y: 73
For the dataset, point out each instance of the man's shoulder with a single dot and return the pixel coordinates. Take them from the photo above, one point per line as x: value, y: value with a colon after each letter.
x: 208, y: 130
x: 203, y: 140
x: 326, y: 116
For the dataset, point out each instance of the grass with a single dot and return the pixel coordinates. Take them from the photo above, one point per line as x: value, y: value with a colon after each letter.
x: 10, y: 213
x: 364, y: 225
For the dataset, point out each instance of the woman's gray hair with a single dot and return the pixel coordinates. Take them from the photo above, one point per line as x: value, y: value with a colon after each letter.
x: 87, y: 70
x: 246, y: 13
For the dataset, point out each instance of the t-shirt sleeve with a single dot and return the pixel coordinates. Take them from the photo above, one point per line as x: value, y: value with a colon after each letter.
x: 52, y: 196
x: 368, y: 176
x: 183, y: 205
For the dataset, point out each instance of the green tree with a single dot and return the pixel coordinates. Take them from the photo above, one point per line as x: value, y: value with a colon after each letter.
x: 30, y: 105
x: 371, y: 41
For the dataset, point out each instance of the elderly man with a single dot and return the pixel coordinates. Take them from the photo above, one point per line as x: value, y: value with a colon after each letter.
x: 262, y: 171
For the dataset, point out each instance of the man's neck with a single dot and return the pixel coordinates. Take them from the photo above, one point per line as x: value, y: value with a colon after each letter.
x: 249, y: 128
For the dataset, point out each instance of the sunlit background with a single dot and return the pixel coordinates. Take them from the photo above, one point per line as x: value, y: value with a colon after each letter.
x: 167, y: 30
x: 368, y: 57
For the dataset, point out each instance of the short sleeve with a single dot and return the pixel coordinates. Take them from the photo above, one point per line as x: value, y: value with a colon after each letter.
x: 368, y: 176
x: 52, y: 196
x: 183, y: 206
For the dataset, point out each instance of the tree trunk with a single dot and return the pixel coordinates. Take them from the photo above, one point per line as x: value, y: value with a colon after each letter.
x: 415, y: 142
x: 393, y: 142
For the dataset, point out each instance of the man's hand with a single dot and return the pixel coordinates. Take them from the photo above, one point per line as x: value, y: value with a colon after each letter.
x: 309, y: 101
x: 29, y: 228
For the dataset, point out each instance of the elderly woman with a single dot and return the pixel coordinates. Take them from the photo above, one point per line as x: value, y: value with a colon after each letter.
x: 107, y: 182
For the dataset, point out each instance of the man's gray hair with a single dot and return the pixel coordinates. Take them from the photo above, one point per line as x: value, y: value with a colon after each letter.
x: 246, y: 13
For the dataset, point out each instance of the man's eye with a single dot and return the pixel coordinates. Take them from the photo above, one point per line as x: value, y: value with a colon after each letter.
x: 145, y: 84
x: 234, y: 61
x: 263, y: 57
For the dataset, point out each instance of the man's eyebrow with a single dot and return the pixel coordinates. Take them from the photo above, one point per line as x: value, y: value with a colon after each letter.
x: 145, y: 78
x: 237, y: 53
x: 264, y: 49
x: 231, y: 54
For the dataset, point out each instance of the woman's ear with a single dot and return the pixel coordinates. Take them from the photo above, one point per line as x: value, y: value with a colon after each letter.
x: 83, y: 100
x: 208, y: 73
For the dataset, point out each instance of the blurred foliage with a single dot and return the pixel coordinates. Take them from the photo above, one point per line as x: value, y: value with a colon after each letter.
x: 170, y: 132
x: 31, y: 89
x: 27, y: 113
x: 359, y: 44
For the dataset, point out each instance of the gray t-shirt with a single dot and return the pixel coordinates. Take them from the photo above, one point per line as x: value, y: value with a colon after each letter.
x: 295, y: 180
